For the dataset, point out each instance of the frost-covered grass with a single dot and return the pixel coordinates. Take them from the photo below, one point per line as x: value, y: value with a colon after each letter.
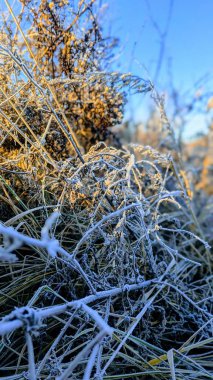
x: 105, y: 253
x: 116, y: 284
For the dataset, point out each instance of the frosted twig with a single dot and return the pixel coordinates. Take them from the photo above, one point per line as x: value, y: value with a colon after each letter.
x: 31, y: 358
x: 8, y: 325
x: 99, y: 320
x: 90, y: 363
x: 50, y: 244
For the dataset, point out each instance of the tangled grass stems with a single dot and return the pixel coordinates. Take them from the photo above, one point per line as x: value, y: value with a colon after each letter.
x: 117, y: 282
x: 136, y: 223
x: 26, y: 72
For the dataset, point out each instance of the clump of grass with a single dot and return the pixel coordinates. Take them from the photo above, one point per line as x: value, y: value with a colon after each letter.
x: 105, y: 267
x: 126, y: 245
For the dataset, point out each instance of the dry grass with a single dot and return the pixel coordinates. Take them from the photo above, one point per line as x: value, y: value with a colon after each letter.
x: 106, y: 269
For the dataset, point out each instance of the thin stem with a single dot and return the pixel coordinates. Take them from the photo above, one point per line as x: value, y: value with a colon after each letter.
x: 90, y: 363
x: 31, y: 357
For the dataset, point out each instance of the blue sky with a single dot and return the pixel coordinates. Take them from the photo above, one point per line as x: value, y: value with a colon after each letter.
x: 188, y: 47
